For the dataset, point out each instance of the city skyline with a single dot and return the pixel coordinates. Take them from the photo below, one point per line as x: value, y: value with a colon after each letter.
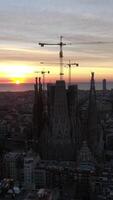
x: 25, y: 23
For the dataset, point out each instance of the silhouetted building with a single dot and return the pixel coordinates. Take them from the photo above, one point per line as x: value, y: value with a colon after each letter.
x: 92, y: 133
x: 104, y: 86
x: 85, y: 184
x: 50, y: 102
x: 14, y: 166
x: 95, y: 130
x: 73, y: 107
x: 85, y: 159
x: 38, y: 115
x: 30, y: 161
x: 61, y: 141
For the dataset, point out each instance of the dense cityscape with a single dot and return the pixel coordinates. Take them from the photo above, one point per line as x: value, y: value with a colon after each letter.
x: 57, y: 143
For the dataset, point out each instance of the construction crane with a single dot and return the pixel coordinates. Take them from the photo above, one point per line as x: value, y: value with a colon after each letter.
x: 60, y: 44
x: 69, y: 67
x: 43, y: 74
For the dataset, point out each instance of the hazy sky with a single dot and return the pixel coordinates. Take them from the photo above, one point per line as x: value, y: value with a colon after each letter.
x: 24, y: 23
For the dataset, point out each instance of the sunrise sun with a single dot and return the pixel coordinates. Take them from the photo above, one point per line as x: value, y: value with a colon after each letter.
x: 17, y: 82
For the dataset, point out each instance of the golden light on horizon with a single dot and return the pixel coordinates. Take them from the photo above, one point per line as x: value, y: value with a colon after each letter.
x: 20, y: 72
x: 15, y: 73
x: 17, y: 80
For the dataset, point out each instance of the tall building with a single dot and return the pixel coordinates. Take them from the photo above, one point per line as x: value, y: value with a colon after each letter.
x: 104, y: 85
x: 57, y: 136
x: 73, y: 107
x: 38, y: 115
x: 85, y: 159
x: 30, y: 161
x: 85, y: 173
x: 92, y: 131
x: 61, y: 141
x: 50, y: 102
x: 14, y: 166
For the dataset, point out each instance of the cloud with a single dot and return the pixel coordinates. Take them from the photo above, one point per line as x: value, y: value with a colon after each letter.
x: 25, y: 24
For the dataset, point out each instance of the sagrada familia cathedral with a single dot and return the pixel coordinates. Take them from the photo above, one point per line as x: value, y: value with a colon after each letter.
x: 58, y: 132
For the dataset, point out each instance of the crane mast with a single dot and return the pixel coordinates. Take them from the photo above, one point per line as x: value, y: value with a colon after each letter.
x: 61, y: 58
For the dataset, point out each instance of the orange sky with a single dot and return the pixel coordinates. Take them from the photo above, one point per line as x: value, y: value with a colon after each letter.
x: 26, y: 73
x: 20, y: 64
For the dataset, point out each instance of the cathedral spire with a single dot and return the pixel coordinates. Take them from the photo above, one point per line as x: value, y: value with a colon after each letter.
x: 40, y: 85
x: 92, y: 134
x: 37, y: 112
x: 92, y: 97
